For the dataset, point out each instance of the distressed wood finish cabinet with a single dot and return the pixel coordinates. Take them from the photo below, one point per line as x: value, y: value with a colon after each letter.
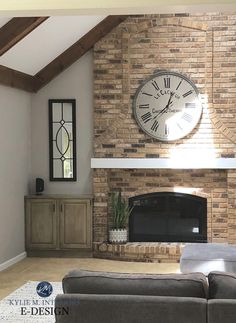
x: 58, y: 225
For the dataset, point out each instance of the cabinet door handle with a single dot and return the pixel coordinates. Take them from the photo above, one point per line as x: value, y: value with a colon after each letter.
x: 54, y: 208
x: 61, y: 208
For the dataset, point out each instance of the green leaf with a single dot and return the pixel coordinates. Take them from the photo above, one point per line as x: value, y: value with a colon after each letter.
x: 120, y: 210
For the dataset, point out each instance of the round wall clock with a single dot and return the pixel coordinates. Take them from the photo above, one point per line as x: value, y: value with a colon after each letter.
x: 167, y: 106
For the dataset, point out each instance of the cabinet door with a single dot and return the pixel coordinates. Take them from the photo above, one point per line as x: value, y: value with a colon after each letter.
x: 41, y: 224
x: 75, y: 224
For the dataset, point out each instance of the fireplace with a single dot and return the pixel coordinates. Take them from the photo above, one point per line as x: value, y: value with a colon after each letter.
x: 168, y: 217
x: 216, y: 187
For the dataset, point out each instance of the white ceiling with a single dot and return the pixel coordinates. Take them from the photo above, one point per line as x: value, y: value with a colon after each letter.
x: 46, y: 42
x: 4, y: 20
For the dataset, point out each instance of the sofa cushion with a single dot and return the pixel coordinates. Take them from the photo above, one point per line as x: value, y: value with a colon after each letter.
x: 221, y: 311
x: 90, y: 308
x: 92, y: 282
x: 222, y: 285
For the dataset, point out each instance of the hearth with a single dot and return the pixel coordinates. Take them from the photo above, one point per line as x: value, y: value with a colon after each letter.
x: 168, y: 217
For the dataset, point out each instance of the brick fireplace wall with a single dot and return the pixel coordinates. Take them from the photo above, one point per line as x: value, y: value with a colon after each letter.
x: 199, y: 46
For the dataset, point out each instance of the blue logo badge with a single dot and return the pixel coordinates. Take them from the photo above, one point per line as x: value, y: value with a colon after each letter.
x: 44, y: 289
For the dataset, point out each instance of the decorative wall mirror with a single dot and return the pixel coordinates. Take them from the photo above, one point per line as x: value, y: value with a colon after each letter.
x: 62, y: 140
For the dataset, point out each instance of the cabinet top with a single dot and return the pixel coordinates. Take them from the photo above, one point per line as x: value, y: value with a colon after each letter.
x: 57, y: 196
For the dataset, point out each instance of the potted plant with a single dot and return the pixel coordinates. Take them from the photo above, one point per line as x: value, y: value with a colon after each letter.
x: 120, y: 214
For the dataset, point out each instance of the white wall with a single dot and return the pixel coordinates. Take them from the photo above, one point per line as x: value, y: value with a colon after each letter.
x: 74, y: 83
x: 15, y: 110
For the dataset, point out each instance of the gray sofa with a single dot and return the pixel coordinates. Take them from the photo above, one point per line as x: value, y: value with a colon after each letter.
x: 100, y: 297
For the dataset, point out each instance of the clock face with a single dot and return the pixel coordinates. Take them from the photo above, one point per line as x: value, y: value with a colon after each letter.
x: 167, y: 106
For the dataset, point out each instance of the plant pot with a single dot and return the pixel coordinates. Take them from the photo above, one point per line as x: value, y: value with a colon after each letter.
x: 118, y: 235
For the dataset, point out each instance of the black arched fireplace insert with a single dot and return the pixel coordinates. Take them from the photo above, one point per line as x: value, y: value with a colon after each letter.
x: 168, y: 217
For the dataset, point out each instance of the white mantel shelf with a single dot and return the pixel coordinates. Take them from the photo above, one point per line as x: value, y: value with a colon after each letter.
x: 163, y: 163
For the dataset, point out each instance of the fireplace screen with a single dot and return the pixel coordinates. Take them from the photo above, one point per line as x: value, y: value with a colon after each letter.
x: 168, y: 217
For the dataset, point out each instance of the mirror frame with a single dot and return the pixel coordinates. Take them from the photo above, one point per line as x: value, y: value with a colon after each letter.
x: 73, y: 105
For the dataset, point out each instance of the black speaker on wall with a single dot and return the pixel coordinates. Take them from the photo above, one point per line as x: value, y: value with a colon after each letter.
x: 39, y: 185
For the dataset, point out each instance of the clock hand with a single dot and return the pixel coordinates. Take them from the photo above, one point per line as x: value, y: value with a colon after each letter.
x: 169, y: 101
x: 166, y: 107
x: 160, y: 112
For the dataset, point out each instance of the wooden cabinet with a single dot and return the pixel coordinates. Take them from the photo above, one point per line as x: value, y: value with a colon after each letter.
x: 41, y: 224
x: 75, y: 224
x: 59, y: 225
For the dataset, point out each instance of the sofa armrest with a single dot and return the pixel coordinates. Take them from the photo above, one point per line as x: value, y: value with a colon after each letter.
x: 90, y: 308
x: 222, y: 310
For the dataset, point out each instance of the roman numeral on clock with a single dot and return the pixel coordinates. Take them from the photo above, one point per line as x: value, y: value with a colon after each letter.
x: 187, y: 117
x: 190, y: 105
x: 146, y: 117
x: 155, y: 126
x: 179, y: 126
x: 148, y: 94
x: 179, y: 85
x: 155, y: 85
x: 187, y: 93
x: 166, y: 130
x: 167, y: 82
x: 143, y: 106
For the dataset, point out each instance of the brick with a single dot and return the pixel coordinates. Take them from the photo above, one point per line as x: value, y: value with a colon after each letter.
x: 122, y: 60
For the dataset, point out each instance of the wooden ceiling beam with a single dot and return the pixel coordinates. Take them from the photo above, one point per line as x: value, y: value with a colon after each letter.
x: 78, y: 49
x: 16, y: 29
x: 18, y: 80
x: 26, y: 82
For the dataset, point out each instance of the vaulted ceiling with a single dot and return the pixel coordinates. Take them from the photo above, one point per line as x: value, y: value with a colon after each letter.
x: 34, y: 50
